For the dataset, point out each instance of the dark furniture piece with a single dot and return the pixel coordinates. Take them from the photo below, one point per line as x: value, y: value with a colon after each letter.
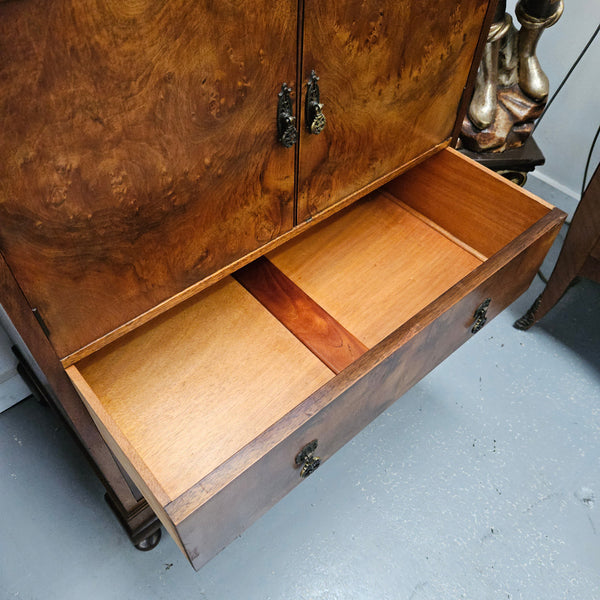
x: 579, y: 256
x: 514, y: 164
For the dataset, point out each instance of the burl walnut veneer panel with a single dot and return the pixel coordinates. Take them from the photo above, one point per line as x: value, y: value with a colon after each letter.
x: 139, y: 150
x: 391, y: 79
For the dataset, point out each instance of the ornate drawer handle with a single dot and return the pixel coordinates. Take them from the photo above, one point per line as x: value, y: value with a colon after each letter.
x: 480, y: 315
x: 286, y: 121
x: 315, y: 119
x: 305, y: 458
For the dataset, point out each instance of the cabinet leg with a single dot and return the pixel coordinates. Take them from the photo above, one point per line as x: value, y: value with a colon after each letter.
x: 582, y: 238
x: 140, y: 523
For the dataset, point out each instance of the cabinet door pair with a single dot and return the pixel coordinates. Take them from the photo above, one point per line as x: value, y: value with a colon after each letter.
x: 140, y: 150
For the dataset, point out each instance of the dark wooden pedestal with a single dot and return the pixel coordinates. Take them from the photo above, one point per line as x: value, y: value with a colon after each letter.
x: 579, y: 257
x: 514, y: 164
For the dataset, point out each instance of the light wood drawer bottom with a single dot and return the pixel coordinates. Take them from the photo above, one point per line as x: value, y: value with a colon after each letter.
x: 208, y: 405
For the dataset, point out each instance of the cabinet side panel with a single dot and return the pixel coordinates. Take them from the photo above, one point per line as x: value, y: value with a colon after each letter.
x: 391, y: 79
x: 63, y: 394
x: 140, y: 150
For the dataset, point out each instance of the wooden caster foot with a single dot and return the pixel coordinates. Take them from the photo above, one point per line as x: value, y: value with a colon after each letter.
x: 150, y: 542
x: 140, y: 523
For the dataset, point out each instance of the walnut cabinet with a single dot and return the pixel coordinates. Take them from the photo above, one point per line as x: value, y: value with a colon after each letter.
x: 140, y: 148
x: 229, y: 306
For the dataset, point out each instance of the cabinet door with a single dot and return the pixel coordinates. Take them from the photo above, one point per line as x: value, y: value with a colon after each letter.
x: 139, y: 149
x: 391, y: 78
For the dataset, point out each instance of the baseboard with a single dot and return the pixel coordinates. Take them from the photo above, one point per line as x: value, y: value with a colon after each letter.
x: 12, y: 388
x: 556, y: 185
x: 552, y: 191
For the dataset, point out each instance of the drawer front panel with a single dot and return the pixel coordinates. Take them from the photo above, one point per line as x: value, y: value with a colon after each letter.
x: 234, y: 495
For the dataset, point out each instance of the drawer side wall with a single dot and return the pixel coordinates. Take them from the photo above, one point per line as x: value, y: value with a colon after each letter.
x: 120, y: 447
x: 476, y: 205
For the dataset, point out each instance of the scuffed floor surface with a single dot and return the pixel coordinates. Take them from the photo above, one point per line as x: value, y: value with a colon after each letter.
x: 483, y: 482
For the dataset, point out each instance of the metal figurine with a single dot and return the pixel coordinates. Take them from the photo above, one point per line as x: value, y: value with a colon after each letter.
x: 532, y: 80
x: 482, y: 109
x: 511, y: 89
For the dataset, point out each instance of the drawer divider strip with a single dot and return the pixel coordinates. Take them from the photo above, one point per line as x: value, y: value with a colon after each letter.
x: 300, y: 314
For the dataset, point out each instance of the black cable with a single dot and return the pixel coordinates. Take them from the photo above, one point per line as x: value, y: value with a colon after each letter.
x: 583, y: 186
x: 565, y: 78
x: 589, y: 158
x: 558, y: 89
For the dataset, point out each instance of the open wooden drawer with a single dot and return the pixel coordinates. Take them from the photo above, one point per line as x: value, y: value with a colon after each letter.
x: 209, y: 406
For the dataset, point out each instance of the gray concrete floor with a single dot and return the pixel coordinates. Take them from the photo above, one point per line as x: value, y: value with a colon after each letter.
x: 482, y: 482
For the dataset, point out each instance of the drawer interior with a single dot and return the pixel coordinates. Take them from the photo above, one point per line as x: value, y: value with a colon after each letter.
x: 191, y: 388
x: 378, y: 263
x: 187, y: 391
x: 375, y: 266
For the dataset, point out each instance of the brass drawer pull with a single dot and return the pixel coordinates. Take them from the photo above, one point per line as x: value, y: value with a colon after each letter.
x: 286, y: 121
x: 305, y: 458
x: 315, y: 119
x: 480, y: 315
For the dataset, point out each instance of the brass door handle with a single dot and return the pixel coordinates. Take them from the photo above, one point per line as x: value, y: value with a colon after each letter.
x: 286, y: 121
x: 315, y: 119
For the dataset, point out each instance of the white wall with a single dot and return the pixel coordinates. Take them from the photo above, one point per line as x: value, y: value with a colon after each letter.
x: 565, y: 133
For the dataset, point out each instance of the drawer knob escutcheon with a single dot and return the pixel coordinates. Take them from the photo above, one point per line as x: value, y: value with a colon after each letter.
x: 480, y: 315
x: 306, y: 459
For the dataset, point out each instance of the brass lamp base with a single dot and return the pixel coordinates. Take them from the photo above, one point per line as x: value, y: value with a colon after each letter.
x: 511, y: 89
x: 512, y: 124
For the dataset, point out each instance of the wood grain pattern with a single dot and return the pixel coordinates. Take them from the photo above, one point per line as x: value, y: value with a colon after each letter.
x: 139, y: 150
x: 124, y: 447
x: 197, y: 287
x: 473, y: 203
x: 262, y: 473
x: 373, y: 266
x: 301, y: 315
x: 194, y: 386
x: 391, y: 79
x: 124, y: 451
x: 140, y: 164
x: 434, y: 225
